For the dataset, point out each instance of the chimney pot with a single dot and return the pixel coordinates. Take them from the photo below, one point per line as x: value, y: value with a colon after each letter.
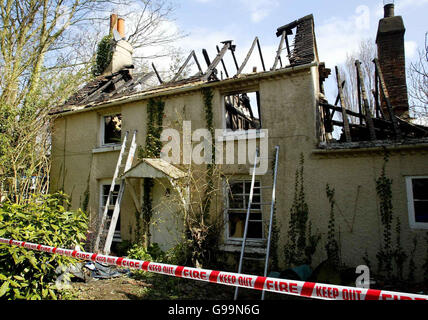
x: 389, y: 10
x: 113, y: 22
x: 121, y: 27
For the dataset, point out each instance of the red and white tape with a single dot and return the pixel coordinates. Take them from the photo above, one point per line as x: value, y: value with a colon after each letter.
x: 289, y: 287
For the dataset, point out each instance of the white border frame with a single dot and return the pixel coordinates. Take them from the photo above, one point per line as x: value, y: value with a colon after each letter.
x: 410, y: 204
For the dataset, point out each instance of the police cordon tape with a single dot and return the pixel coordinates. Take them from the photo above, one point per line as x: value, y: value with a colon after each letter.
x: 283, y: 286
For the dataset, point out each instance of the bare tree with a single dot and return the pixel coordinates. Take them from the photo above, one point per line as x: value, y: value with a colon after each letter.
x: 418, y: 83
x: 46, y: 50
x: 365, y: 54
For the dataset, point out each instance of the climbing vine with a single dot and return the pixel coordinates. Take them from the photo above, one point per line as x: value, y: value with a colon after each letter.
x: 387, y: 255
x: 332, y: 246
x: 275, y: 233
x: 425, y: 265
x: 208, y: 107
x: 301, y: 243
x: 384, y: 192
x: 152, y: 149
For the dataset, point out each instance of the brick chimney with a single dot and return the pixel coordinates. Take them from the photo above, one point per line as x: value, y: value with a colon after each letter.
x: 391, y: 55
x: 122, y: 49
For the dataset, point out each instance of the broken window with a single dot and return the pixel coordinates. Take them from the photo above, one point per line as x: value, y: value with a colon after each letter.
x: 112, y: 129
x: 105, y: 188
x: 242, y: 111
x: 417, y: 193
x: 237, y: 205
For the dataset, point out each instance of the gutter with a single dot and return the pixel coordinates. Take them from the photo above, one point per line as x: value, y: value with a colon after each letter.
x: 188, y: 88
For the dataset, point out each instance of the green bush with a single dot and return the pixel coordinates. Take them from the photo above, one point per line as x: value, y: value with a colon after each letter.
x: 28, y: 274
x: 153, y: 253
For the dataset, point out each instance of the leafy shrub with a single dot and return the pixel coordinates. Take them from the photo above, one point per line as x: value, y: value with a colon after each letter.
x: 152, y: 253
x: 104, y: 55
x: 28, y: 274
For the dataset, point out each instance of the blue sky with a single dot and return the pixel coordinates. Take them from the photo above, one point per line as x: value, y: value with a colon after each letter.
x: 339, y: 25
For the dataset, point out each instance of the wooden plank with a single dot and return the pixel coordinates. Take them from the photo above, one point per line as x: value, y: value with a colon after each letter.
x: 206, y: 57
x: 343, y: 108
x: 157, y: 74
x: 261, y: 54
x: 197, y: 62
x: 385, y: 95
x: 183, y: 66
x: 216, y: 61
x: 278, y: 53
x: 368, y: 116
x: 222, y: 62
x: 232, y: 49
x: 339, y: 109
x: 250, y: 52
x: 360, y: 109
x: 287, y: 45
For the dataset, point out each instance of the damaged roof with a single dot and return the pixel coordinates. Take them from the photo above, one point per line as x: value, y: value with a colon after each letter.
x: 124, y: 83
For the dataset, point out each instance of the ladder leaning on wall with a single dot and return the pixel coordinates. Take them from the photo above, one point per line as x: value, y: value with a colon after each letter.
x: 106, y: 230
x: 247, y: 219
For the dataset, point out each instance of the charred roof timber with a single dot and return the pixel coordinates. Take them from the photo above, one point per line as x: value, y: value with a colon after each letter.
x: 122, y: 83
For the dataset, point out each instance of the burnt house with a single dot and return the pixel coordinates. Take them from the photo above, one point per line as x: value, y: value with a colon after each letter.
x: 280, y: 106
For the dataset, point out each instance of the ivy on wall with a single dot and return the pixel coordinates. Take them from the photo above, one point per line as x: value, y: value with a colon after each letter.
x: 152, y: 149
x: 209, y: 118
x: 332, y: 246
x: 301, y: 243
x: 104, y: 55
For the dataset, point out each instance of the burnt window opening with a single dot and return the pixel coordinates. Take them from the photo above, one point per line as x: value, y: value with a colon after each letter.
x: 417, y: 190
x: 237, y: 206
x: 242, y: 111
x: 112, y: 129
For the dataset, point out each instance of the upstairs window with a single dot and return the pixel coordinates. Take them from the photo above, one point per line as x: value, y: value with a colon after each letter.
x: 242, y: 111
x: 111, y: 129
x: 417, y: 197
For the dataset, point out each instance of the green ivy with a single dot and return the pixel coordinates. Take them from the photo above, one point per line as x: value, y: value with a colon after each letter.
x: 301, y: 243
x: 384, y: 192
x: 332, y: 247
x: 425, y: 265
x: 28, y: 274
x: 152, y: 149
x: 208, y: 107
x: 104, y: 55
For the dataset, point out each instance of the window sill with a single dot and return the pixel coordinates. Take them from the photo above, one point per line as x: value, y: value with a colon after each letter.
x: 419, y: 225
x: 109, y: 148
x: 252, y: 246
x: 241, y: 135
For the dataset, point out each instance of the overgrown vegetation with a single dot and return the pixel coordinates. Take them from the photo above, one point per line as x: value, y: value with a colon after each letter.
x: 384, y: 192
x: 301, y: 243
x: 104, y: 55
x: 152, y: 149
x: 332, y: 246
x: 28, y: 274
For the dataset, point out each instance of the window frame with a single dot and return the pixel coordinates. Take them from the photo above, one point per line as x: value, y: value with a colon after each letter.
x: 228, y: 210
x: 117, y: 237
x: 410, y: 204
x: 103, y: 129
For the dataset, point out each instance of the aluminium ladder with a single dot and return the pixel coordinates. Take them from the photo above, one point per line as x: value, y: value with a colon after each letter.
x: 272, y: 208
x: 107, y: 230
